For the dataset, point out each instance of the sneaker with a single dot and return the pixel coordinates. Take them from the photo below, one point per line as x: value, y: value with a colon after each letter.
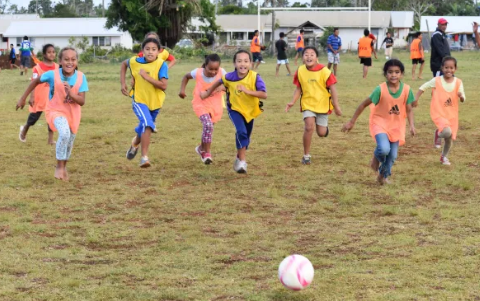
x: 207, y: 158
x: 20, y: 135
x: 444, y: 160
x: 240, y: 166
x: 144, y: 162
x: 21, y: 72
x: 288, y: 74
x: 132, y: 151
x: 437, y: 140
x: 263, y: 62
x: 306, y: 160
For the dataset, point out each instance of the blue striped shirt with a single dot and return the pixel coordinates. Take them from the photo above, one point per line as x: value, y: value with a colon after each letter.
x: 335, y: 42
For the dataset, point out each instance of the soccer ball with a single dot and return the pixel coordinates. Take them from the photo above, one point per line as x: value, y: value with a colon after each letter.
x: 295, y: 272
x: 387, y: 58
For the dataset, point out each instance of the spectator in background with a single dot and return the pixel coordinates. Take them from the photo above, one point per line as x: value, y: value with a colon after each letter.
x: 365, y: 50
x: 334, y: 45
x: 440, y: 47
x: 475, y: 32
x: 255, y: 49
x: 388, y: 46
x: 26, y: 52
x: 417, y: 55
x: 299, y: 45
x: 282, y: 59
x: 12, y: 57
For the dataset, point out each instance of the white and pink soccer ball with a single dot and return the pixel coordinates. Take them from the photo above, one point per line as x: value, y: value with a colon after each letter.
x: 295, y: 272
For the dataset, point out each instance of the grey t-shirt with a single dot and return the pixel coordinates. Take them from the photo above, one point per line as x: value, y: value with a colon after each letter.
x: 206, y: 79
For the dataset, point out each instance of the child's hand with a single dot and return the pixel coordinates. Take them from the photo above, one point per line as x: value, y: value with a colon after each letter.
x: 415, y: 103
x: 203, y: 94
x: 182, y: 94
x: 125, y: 90
x: 20, y: 104
x: 67, y: 88
x: 460, y: 95
x: 241, y: 88
x: 289, y: 106
x: 412, y: 131
x: 143, y: 73
x: 338, y: 111
x: 31, y: 102
x: 348, y: 126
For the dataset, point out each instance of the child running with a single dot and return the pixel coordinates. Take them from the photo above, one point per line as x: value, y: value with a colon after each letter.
x: 150, y: 77
x: 389, y: 104
x: 163, y: 53
x: 209, y: 110
x: 244, y: 88
x: 318, y: 96
x: 447, y: 90
x: 40, y: 96
x: 63, y: 112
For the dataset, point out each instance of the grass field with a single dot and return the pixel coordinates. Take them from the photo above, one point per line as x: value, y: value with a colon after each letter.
x: 185, y: 231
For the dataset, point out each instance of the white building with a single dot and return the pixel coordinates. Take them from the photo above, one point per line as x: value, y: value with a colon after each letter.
x: 59, y: 31
x: 5, y: 21
x: 402, y: 22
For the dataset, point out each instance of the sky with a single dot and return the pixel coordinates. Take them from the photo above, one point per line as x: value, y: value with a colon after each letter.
x: 26, y: 2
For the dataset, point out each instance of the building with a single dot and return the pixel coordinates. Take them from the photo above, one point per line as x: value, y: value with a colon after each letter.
x: 401, y: 23
x: 59, y: 31
x: 5, y: 21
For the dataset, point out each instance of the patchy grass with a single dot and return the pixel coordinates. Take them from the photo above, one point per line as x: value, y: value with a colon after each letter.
x: 185, y: 231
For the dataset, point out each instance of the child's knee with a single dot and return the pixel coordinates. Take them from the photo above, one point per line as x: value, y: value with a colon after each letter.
x: 383, y: 150
x: 322, y: 131
x: 309, y: 126
x: 446, y: 132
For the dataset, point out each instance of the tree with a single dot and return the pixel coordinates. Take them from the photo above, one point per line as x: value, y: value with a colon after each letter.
x: 231, y: 10
x: 3, y: 6
x: 298, y: 4
x: 62, y: 11
x: 419, y: 7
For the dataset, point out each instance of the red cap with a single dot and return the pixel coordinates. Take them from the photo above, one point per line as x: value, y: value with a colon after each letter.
x: 442, y: 21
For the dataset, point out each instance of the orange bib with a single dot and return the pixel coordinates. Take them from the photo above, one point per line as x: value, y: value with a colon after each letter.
x: 301, y: 43
x: 365, y: 47
x: 41, y: 93
x: 253, y: 47
x: 444, y: 107
x: 62, y: 106
x: 415, y: 52
x: 388, y: 116
x: 213, y: 104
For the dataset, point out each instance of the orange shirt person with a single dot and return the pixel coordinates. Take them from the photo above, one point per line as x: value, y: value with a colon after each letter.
x: 390, y: 103
x: 417, y: 55
x: 365, y: 50
x: 299, y: 45
x: 255, y: 49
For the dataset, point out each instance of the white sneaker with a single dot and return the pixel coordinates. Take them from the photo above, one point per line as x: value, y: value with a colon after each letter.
x: 444, y: 160
x: 263, y: 62
x: 20, y: 135
x: 240, y: 166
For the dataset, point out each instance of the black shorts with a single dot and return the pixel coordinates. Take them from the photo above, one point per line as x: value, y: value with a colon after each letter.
x: 367, y: 61
x: 257, y: 57
x: 417, y: 61
x: 25, y: 61
x: 12, y: 61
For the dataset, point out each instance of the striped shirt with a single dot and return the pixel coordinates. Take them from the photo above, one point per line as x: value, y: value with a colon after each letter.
x: 335, y: 42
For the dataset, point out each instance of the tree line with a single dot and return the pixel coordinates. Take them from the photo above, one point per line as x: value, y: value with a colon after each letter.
x: 49, y: 9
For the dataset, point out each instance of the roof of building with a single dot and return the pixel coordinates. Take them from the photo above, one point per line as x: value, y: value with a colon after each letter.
x: 341, y: 19
x: 242, y: 22
x: 402, y: 19
x: 61, y: 27
x: 6, y: 20
x: 455, y: 24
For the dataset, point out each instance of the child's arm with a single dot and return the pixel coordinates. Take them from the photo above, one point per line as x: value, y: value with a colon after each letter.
x: 428, y: 85
x: 123, y: 71
x: 461, y: 93
x: 159, y: 84
x: 296, y: 96
x: 171, y: 61
x: 209, y: 91
x: 410, y: 119
x: 30, y: 88
x: 259, y: 94
x: 78, y: 98
x: 349, y: 125
x: 185, y: 80
x: 31, y: 101
x: 336, y: 105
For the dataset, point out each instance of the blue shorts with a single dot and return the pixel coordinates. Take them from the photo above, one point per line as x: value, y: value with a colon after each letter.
x: 299, y: 50
x: 145, y: 117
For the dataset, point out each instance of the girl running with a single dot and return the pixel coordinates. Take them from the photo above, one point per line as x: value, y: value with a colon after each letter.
x: 447, y: 91
x: 40, y: 96
x: 316, y: 88
x: 63, y: 112
x: 389, y: 104
x: 209, y: 110
x: 150, y: 77
x: 244, y: 89
x: 163, y: 53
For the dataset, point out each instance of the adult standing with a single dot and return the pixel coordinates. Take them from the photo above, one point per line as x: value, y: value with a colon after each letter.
x: 299, y: 45
x: 26, y: 52
x: 388, y: 41
x: 282, y: 59
x: 440, y: 47
x: 255, y: 49
x: 417, y: 55
x: 475, y: 32
x: 365, y: 49
x: 334, y: 45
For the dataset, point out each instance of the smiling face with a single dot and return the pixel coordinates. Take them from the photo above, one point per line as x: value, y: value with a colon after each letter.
x: 309, y: 58
x: 242, y: 63
x: 394, y: 74
x: 69, y: 61
x: 50, y: 55
x: 448, y: 69
x: 211, y: 69
x: 150, y: 52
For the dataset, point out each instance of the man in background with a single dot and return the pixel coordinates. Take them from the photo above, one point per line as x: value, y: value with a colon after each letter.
x: 26, y: 52
x: 282, y: 59
x: 334, y: 45
x: 440, y: 47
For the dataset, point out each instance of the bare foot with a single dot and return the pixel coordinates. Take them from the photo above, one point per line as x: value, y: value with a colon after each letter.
x: 52, y: 142
x: 374, y: 164
x: 65, y: 175
x: 58, y: 173
x: 386, y: 181
x: 420, y: 77
x: 380, y: 179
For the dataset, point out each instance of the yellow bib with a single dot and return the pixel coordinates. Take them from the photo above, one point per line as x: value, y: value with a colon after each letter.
x: 315, y: 95
x: 143, y: 91
x: 244, y: 104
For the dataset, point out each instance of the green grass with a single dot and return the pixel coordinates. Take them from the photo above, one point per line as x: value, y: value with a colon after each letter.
x: 185, y: 231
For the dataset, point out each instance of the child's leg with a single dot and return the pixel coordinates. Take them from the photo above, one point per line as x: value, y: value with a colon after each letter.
x: 288, y: 68
x: 390, y: 159
x: 446, y: 134
x: 207, y: 132
x: 63, y: 146
x: 421, y: 70
x: 241, y: 135
x: 414, y: 66
x: 308, y: 133
x: 365, y: 71
x: 145, y: 141
x: 322, y: 125
x: 50, y: 136
x: 381, y: 151
x: 278, y: 69
x: 145, y: 126
x: 31, y: 120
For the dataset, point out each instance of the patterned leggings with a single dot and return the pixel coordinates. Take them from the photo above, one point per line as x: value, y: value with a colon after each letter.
x: 207, y: 128
x: 65, y: 139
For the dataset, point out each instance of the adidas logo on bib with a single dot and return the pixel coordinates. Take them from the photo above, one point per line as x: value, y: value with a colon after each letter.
x: 394, y: 110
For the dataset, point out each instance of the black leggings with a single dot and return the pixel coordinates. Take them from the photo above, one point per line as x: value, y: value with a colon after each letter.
x: 33, y: 118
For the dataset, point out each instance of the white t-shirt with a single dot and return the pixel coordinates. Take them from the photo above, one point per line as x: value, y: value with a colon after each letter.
x: 206, y: 79
x: 447, y: 86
